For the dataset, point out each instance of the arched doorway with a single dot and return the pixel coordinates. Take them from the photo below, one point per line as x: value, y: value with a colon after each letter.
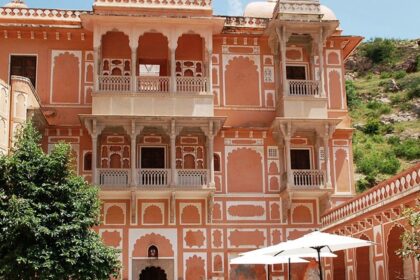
x: 153, y: 273
x: 395, y: 263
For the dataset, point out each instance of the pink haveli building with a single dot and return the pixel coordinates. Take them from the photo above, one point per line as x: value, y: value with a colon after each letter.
x: 208, y: 135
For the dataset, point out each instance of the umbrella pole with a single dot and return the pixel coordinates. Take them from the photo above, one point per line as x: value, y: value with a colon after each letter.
x: 289, y: 270
x: 321, y: 277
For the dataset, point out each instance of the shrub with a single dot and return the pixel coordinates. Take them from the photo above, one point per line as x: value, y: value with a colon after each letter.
x: 414, y: 92
x: 400, y: 74
x: 353, y: 99
x: 374, y: 162
x: 386, y: 75
x: 379, y: 108
x: 408, y: 149
x: 379, y: 50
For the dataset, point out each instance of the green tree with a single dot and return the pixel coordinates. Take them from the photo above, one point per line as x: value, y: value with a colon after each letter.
x: 411, y: 239
x: 46, y: 217
x: 379, y: 50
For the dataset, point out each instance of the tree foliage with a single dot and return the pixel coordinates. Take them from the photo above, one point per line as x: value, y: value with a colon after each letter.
x: 411, y: 239
x: 379, y: 50
x: 46, y: 217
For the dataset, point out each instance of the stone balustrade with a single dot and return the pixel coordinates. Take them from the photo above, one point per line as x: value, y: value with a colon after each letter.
x: 149, y: 178
x: 162, y: 4
x: 246, y: 22
x: 41, y: 14
x: 390, y: 189
x: 304, y: 88
x: 308, y: 178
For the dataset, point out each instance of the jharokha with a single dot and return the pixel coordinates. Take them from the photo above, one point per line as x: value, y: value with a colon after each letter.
x: 207, y: 135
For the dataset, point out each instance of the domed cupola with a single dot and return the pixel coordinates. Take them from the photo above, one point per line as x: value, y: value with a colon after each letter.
x: 16, y: 4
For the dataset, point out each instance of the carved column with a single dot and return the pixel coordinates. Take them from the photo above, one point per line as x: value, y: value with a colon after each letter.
x: 288, y: 161
x: 327, y: 160
x: 173, y: 86
x: 173, y: 135
x: 135, y: 131
x: 95, y: 131
x: 286, y: 130
x: 321, y: 62
x: 282, y: 37
x: 96, y: 67
x: 210, y: 152
x: 94, y: 158
x: 172, y: 208
x: 210, y: 71
x: 133, y: 69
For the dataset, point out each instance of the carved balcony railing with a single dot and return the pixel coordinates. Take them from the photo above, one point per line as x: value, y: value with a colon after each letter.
x: 191, y: 84
x: 302, y: 7
x: 152, y: 84
x: 386, y: 192
x: 114, y: 83
x: 308, y: 178
x: 192, y: 177
x: 163, y: 4
x: 304, y: 88
x: 114, y: 177
x: 154, y: 177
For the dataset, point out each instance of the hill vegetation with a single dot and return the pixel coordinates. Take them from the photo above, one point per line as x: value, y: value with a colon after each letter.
x: 383, y: 88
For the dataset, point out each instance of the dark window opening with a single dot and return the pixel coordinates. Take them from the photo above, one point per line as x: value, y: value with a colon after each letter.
x: 152, y: 158
x: 300, y: 159
x: 87, y: 162
x: 216, y: 160
x: 296, y: 72
x: 153, y: 252
x: 24, y: 66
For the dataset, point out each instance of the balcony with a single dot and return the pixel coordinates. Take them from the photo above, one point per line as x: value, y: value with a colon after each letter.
x: 308, y: 179
x: 304, y: 88
x: 304, y: 100
x: 154, y: 178
x: 123, y: 84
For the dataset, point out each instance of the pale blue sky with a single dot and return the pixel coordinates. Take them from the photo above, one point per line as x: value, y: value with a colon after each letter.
x: 368, y: 18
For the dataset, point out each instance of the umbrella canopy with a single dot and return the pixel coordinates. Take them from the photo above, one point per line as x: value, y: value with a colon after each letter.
x: 266, y: 259
x: 312, y: 242
x: 316, y: 242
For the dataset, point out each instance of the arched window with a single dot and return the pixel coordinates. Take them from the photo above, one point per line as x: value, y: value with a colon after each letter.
x: 87, y: 161
x: 216, y: 159
x: 153, y: 252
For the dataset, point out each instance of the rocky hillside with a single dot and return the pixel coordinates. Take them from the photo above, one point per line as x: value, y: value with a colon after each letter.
x: 383, y: 87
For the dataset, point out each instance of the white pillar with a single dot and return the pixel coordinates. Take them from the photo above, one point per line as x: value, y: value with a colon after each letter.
x: 94, y: 158
x: 327, y: 161
x: 290, y: 180
x: 210, y: 157
x: 281, y: 34
x: 96, y: 66
x: 133, y: 150
x: 321, y: 62
x: 210, y: 71
x: 133, y: 69
x: 173, y: 86
x: 173, y: 154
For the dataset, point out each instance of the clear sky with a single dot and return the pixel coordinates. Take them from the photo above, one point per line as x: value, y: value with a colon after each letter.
x: 369, y: 18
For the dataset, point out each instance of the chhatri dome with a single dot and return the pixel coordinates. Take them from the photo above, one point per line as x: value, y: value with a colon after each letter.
x: 266, y: 9
x: 16, y: 4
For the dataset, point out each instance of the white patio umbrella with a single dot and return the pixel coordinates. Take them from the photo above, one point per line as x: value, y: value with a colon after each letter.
x: 315, y: 242
x: 267, y: 260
